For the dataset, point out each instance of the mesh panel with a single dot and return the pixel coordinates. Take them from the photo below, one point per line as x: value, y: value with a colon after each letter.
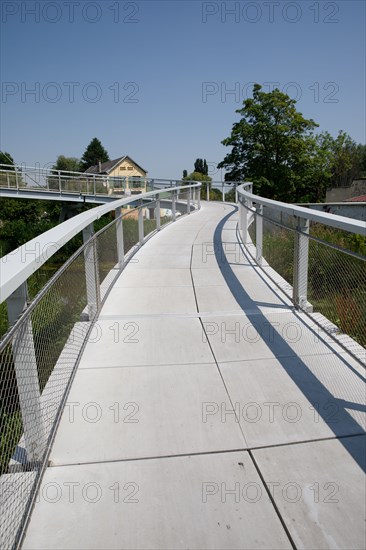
x: 337, y: 288
x: 149, y: 217
x: 107, y: 257
x: 278, y: 249
x: 36, y: 363
x: 130, y: 230
x: 335, y: 281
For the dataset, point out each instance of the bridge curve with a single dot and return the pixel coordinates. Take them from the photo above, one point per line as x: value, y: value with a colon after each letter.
x: 206, y: 411
x: 169, y: 374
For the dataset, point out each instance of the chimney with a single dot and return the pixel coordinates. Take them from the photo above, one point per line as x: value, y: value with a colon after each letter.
x: 100, y: 166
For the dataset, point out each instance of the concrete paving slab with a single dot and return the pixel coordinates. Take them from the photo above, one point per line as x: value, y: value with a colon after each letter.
x: 265, y: 333
x: 281, y: 401
x: 145, y: 300
x: 132, y: 278
x: 159, y: 261
x: 221, y: 298
x: 146, y: 341
x: 208, y: 255
x: 134, y: 412
x: 173, y: 503
x: 154, y: 247
x: 319, y: 489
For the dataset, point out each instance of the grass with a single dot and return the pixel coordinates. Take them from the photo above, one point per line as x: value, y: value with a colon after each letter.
x: 336, y: 280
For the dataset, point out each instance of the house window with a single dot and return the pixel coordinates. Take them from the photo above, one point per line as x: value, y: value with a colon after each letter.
x: 123, y: 168
x: 130, y: 168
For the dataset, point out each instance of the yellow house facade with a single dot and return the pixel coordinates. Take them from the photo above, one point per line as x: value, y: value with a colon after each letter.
x: 123, y: 175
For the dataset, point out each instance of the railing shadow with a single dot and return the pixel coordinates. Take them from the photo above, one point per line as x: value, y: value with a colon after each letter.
x: 306, y: 381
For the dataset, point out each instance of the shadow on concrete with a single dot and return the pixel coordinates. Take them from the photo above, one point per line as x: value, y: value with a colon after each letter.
x: 306, y: 381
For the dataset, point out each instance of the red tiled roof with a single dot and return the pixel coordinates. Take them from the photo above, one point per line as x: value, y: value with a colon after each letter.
x: 361, y: 198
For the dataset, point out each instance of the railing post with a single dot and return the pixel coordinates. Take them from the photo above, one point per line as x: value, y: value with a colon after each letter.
x: 16, y: 178
x: 7, y: 179
x: 157, y: 212
x: 259, y: 233
x: 223, y: 191
x: 25, y: 365
x: 243, y: 221
x: 301, y: 262
x: 141, y: 225
x: 208, y: 190
x: 236, y: 194
x: 174, y: 198
x: 59, y: 181
x: 91, y: 272
x: 120, y: 240
x: 198, y: 198
x: 189, y: 201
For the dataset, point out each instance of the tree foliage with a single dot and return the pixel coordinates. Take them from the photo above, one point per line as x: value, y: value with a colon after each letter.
x: 201, y: 167
x: 93, y: 154
x: 274, y: 146
x: 270, y: 144
x: 6, y: 158
x: 215, y: 194
x: 70, y: 164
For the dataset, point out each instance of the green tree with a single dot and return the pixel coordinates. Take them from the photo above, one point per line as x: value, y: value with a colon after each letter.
x: 93, y: 154
x: 215, y: 194
x: 70, y: 164
x: 185, y: 173
x: 349, y: 160
x: 270, y: 144
x: 201, y: 167
x: 6, y: 158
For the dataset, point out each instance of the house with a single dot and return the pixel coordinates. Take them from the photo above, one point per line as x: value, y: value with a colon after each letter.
x: 124, y: 175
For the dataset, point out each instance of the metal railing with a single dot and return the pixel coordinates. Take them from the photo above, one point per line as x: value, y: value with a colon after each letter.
x: 21, y: 179
x: 318, y: 259
x: 40, y: 352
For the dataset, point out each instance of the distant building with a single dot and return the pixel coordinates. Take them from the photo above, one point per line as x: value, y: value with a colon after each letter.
x: 340, y: 194
x: 360, y: 198
x: 124, y: 175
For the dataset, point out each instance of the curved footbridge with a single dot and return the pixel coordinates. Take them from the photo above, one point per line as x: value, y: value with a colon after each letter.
x: 206, y: 412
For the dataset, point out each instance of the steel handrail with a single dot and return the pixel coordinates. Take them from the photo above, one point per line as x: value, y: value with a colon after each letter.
x: 333, y: 220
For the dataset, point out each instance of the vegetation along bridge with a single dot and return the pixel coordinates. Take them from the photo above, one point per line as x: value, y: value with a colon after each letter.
x: 191, y: 377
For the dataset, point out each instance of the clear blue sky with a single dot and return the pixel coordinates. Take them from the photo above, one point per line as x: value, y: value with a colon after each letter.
x: 152, y: 79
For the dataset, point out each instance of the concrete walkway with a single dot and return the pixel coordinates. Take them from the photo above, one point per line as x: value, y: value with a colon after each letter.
x: 205, y: 413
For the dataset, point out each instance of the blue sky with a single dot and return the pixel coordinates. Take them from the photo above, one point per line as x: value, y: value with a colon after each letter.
x: 153, y: 79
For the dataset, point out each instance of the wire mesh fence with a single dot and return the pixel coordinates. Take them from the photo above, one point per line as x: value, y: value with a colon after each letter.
x: 40, y: 352
x: 334, y: 280
x: 37, y: 358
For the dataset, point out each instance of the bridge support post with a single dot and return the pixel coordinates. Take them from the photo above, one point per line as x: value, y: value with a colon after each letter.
x: 243, y: 222
x: 141, y: 226
x: 25, y: 365
x: 259, y: 233
x: 301, y: 262
x: 91, y: 272
x: 174, y: 210
x: 120, y: 240
x: 157, y: 212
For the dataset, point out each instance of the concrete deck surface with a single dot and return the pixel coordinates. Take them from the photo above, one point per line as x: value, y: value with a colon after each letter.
x: 206, y: 413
